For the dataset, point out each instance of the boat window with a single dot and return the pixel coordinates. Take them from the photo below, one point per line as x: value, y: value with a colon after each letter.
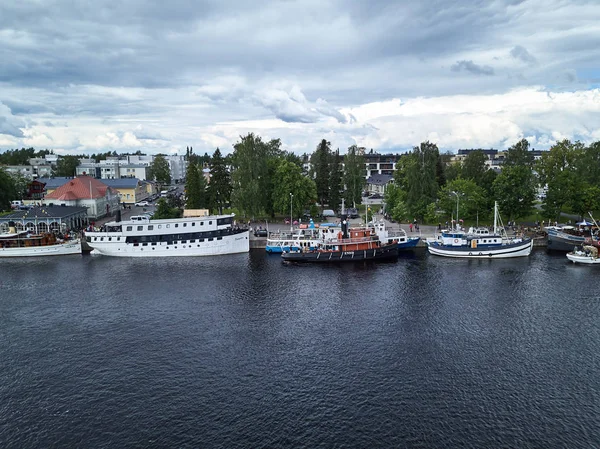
x: 194, y: 223
x: 176, y: 225
x: 101, y: 239
x: 201, y: 223
x: 210, y: 239
x: 150, y: 228
x: 153, y: 244
x: 140, y: 228
x: 210, y: 222
x: 159, y: 226
x: 219, y: 238
x: 110, y: 239
x: 129, y: 228
x: 144, y: 244
x: 168, y: 225
x: 184, y: 225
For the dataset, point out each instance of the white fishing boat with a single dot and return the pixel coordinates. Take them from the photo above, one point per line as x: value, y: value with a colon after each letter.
x: 585, y: 254
x: 24, y: 244
x: 206, y: 235
x: 480, y: 243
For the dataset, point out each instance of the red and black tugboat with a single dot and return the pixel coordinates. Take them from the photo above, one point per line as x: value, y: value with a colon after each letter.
x: 351, y: 245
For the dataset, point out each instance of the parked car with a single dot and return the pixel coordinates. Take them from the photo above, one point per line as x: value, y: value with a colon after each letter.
x: 260, y: 233
x: 142, y: 203
x: 376, y: 196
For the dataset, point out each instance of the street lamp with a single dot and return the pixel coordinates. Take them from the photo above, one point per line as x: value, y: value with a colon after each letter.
x: 457, y: 197
x: 291, y: 213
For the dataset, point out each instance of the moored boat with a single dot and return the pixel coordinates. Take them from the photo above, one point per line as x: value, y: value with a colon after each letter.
x: 24, y: 244
x: 586, y: 255
x: 306, y: 237
x: 480, y: 243
x: 197, y: 235
x: 350, y: 245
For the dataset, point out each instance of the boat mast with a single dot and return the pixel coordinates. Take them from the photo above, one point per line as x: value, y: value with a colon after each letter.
x: 495, y: 217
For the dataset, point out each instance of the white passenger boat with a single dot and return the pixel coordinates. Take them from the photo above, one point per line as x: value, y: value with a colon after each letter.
x: 207, y: 235
x: 480, y: 243
x: 23, y: 244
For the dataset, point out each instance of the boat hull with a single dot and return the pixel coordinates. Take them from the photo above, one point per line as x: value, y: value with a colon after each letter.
x: 386, y: 252
x: 233, y: 244
x: 565, y: 242
x: 519, y: 249
x: 60, y: 249
x: 583, y: 259
x: 411, y: 243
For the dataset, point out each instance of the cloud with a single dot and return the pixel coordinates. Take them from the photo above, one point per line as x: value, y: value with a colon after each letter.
x: 471, y: 67
x: 88, y: 76
x: 292, y: 106
x: 522, y: 54
x: 9, y: 124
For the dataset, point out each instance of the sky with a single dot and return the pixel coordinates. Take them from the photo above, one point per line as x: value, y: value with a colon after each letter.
x: 82, y: 77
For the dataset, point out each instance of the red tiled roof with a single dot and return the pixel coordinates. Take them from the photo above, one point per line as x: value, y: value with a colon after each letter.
x: 82, y: 187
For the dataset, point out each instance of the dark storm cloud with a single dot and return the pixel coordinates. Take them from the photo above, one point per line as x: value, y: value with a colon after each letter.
x: 470, y: 66
x: 522, y: 54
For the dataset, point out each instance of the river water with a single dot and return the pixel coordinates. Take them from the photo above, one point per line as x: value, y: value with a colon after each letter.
x: 244, y: 352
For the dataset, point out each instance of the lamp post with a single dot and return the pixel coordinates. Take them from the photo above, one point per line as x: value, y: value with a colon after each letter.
x: 457, y: 197
x: 291, y: 211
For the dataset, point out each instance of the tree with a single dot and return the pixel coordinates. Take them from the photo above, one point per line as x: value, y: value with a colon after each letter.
x: 159, y: 170
x: 514, y: 189
x: 66, y: 166
x: 557, y: 170
x: 288, y: 181
x: 219, y: 187
x: 8, y: 190
x: 164, y: 210
x: 320, y: 163
x: 467, y: 196
x: 354, y: 176
x: 250, y: 175
x: 195, y: 188
x: 474, y: 167
x: 420, y: 177
x: 519, y: 155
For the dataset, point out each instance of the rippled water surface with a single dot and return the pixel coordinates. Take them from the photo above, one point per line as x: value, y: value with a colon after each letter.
x: 243, y: 351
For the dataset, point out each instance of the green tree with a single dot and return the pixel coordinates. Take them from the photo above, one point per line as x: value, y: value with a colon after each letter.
x: 320, y: 162
x: 585, y: 199
x: 219, y: 187
x: 66, y: 166
x: 474, y: 167
x: 519, y: 155
x: 165, y: 210
x: 557, y: 170
x: 589, y: 164
x: 465, y: 194
x: 249, y: 176
x: 354, y: 176
x: 8, y: 191
x: 159, y: 170
x: 292, y: 189
x: 514, y: 189
x: 195, y: 188
x: 421, y: 178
